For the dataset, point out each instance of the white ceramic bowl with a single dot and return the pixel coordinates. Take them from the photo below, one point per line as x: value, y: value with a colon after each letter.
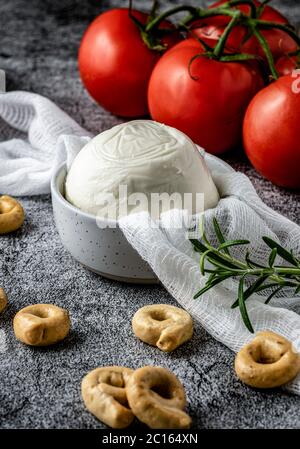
x: 103, y: 250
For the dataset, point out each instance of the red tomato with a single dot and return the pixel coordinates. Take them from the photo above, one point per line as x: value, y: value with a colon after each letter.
x: 280, y: 42
x: 209, y: 106
x: 271, y: 132
x: 287, y: 64
x: 191, y: 41
x: 212, y: 28
x: 115, y: 64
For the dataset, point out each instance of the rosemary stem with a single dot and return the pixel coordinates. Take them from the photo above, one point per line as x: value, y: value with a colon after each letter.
x: 223, y: 265
x: 244, y: 269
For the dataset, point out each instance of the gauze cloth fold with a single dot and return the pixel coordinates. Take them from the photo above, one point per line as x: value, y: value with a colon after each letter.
x: 26, y: 167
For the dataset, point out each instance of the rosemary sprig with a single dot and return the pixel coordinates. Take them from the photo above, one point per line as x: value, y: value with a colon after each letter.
x: 261, y: 277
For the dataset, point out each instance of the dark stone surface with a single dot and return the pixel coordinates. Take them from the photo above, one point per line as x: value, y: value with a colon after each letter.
x: 40, y: 388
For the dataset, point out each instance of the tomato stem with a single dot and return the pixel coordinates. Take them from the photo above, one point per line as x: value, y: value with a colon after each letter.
x: 194, y: 14
x: 206, y: 47
x: 154, y: 8
x: 156, y: 22
x: 219, y: 48
x: 280, y: 26
x: 260, y: 9
x: 265, y: 46
x: 237, y: 57
x: 253, y: 9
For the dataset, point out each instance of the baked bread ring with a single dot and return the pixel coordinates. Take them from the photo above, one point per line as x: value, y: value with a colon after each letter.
x: 268, y: 361
x: 157, y: 398
x: 162, y: 325
x: 11, y: 214
x: 41, y: 324
x: 3, y: 300
x: 104, y: 394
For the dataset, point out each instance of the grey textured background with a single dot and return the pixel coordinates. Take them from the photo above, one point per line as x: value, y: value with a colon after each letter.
x: 40, y: 388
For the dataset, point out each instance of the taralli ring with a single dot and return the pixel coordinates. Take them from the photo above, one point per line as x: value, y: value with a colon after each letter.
x: 3, y: 300
x: 41, y: 324
x: 157, y: 398
x: 11, y: 214
x: 268, y: 361
x: 162, y: 325
x: 104, y: 394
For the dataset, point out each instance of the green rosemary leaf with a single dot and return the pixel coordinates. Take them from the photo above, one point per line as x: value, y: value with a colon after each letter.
x: 273, y: 294
x: 198, y: 246
x: 201, y: 248
x: 297, y: 290
x: 202, y: 261
x: 252, y: 289
x: 292, y: 252
x: 285, y: 283
x: 219, y: 234
x: 266, y: 287
x: 220, y: 264
x: 282, y: 252
x: 202, y: 231
x: 243, y: 308
x: 272, y: 257
x: 211, y: 277
x: 207, y: 270
x: 216, y: 256
x: 233, y: 243
x: 251, y: 263
x: 210, y: 285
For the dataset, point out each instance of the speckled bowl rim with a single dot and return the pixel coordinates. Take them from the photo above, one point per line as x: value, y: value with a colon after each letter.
x: 55, y: 192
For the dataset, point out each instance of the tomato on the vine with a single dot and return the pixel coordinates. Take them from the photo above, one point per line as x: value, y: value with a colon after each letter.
x: 115, y: 64
x: 204, y: 98
x: 287, y: 64
x: 271, y: 132
x: 280, y: 42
